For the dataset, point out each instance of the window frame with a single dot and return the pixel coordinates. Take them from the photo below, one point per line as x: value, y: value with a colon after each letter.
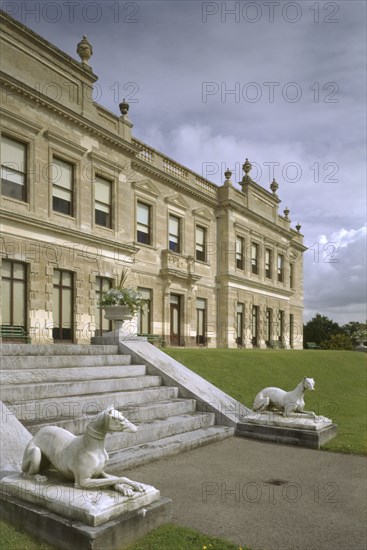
x: 149, y: 226
x: 178, y: 236
x: 255, y: 258
x: 268, y: 264
x: 11, y: 280
x: 71, y: 214
x: 280, y: 268
x: 25, y: 173
x: 204, y: 245
x: 110, y: 205
x: 240, y: 264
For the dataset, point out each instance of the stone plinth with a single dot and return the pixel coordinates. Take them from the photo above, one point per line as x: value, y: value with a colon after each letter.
x: 92, y: 507
x: 73, y: 518
x: 297, y: 429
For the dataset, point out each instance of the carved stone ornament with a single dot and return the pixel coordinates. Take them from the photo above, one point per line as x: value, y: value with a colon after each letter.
x: 84, y: 50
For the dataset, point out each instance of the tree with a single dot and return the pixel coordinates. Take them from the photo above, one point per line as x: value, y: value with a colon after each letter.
x: 338, y: 341
x: 319, y: 329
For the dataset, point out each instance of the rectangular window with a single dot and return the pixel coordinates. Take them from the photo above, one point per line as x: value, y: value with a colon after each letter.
x: 174, y: 233
x: 280, y: 268
x: 62, y: 186
x: 239, y: 253
x: 255, y: 325
x: 143, y: 218
x: 13, y: 168
x: 291, y: 330
x: 281, y: 326
x: 200, y: 244
x: 239, y: 324
x: 269, y: 321
x: 201, y: 321
x: 62, y: 310
x: 103, y: 325
x: 291, y: 276
x: 103, y: 202
x: 255, y: 258
x: 13, y: 293
x: 268, y: 263
x: 144, y: 317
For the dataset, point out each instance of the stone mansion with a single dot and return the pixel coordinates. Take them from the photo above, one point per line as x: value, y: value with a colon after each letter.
x: 82, y: 198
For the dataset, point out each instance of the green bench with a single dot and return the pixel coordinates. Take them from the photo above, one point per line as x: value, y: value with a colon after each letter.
x: 312, y: 345
x: 14, y: 332
x: 154, y: 338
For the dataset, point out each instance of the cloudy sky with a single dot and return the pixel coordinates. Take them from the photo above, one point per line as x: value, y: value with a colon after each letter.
x: 211, y: 83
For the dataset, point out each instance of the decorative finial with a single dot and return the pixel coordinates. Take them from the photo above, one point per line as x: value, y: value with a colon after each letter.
x: 247, y: 167
x: 124, y: 107
x: 227, y: 175
x: 84, y: 50
x: 274, y: 186
x: 286, y: 212
x: 298, y: 227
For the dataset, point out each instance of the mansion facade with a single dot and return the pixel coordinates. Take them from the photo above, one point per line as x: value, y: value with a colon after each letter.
x: 82, y: 199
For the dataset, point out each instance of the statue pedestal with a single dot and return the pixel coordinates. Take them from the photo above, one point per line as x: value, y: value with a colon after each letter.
x: 75, y: 518
x: 296, y: 429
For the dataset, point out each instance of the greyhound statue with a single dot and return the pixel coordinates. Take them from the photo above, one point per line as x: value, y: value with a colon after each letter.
x: 284, y: 402
x: 79, y: 458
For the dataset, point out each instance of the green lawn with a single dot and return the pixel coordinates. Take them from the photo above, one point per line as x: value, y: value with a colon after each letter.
x: 167, y: 537
x: 340, y: 382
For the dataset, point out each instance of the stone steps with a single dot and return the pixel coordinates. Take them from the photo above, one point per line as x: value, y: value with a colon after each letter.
x: 85, y: 405
x: 45, y: 390
x: 145, y: 412
x: 36, y: 376
x: 36, y: 362
x: 66, y: 385
x: 160, y: 429
x: 164, y: 448
x: 42, y: 350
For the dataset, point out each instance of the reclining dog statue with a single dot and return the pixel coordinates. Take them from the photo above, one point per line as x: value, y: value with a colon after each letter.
x: 79, y: 458
x: 284, y: 402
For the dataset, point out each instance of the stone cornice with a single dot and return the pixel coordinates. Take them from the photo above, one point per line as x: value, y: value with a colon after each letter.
x: 76, y: 119
x: 53, y: 51
x: 62, y: 231
x: 254, y: 285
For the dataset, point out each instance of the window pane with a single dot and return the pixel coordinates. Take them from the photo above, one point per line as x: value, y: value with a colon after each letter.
x: 200, y: 236
x: 56, y: 279
x: 103, y: 190
x: 174, y: 225
x: 13, y: 152
x: 18, y: 271
x: 61, y: 193
x: 143, y: 213
x: 62, y: 174
x: 56, y: 307
x: 67, y: 278
x: 18, y: 311
x: 200, y: 303
x: 9, y: 173
x: 66, y: 307
x: 6, y: 269
x: 5, y: 301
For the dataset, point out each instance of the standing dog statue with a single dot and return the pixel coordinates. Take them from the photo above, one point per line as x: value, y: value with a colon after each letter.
x: 79, y: 458
x: 284, y: 402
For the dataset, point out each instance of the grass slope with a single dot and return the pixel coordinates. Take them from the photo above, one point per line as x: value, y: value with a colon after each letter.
x: 340, y: 382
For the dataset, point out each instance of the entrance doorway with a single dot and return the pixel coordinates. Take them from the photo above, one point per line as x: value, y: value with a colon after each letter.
x: 175, y: 320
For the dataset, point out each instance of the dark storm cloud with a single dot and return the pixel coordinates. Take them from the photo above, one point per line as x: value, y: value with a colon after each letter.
x: 166, y: 59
